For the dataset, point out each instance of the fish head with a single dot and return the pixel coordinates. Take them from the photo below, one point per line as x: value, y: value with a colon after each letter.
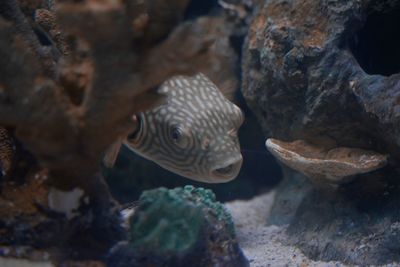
x: 193, y: 134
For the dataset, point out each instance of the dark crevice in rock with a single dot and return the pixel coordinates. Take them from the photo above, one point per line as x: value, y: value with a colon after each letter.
x: 376, y: 44
x: 43, y: 37
x: 199, y: 8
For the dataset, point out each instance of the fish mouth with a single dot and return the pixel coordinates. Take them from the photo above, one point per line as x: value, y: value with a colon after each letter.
x: 228, y: 170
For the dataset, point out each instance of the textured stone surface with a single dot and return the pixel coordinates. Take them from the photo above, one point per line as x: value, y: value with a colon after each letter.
x: 303, y: 81
x: 60, y: 81
x: 325, y: 166
x: 328, y: 72
x: 358, y: 224
x: 355, y: 225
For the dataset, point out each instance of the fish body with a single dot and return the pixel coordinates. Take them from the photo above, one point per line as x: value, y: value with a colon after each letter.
x: 193, y: 134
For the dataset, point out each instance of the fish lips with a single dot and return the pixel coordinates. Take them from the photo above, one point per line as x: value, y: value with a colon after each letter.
x: 226, y: 171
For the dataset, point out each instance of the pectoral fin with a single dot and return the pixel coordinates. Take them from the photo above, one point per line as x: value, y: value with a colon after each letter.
x: 111, y: 154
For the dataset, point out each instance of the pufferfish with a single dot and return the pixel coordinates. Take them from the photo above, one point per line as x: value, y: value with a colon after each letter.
x: 193, y: 133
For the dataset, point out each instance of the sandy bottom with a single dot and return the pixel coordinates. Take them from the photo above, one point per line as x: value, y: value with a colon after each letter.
x: 262, y: 244
x: 11, y: 262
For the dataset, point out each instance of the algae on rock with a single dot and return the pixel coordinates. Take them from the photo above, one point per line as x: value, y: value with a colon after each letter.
x: 179, y: 227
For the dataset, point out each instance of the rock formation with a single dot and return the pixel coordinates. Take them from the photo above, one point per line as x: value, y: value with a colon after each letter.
x: 71, y: 76
x: 325, y: 166
x: 179, y: 227
x: 327, y: 72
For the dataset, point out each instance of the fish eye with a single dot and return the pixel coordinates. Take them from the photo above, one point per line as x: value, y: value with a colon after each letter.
x: 176, y: 134
x: 179, y: 136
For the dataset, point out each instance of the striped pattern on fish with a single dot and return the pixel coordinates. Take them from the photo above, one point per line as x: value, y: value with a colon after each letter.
x: 194, y: 133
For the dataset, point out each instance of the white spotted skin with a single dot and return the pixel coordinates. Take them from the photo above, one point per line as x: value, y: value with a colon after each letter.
x: 194, y: 133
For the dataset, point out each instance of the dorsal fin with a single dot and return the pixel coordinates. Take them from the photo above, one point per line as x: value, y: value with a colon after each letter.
x: 226, y: 86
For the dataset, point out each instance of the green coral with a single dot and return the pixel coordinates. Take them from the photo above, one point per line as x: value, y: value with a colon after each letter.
x: 170, y: 220
x: 207, y: 198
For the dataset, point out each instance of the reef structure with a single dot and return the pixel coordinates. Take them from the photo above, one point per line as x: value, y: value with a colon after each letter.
x: 61, y: 80
x: 327, y: 73
x: 179, y: 227
x: 304, y: 78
